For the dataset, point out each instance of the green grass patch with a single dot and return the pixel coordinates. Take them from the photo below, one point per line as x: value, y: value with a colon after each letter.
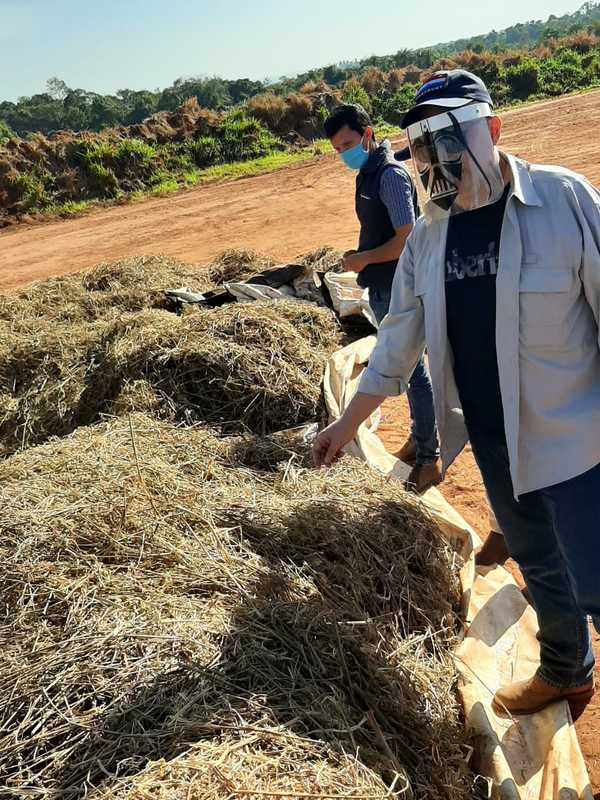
x: 255, y: 166
x: 165, y: 186
x: 72, y: 208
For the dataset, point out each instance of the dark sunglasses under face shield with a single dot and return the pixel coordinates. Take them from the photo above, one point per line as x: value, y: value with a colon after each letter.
x: 438, y: 158
x: 439, y: 147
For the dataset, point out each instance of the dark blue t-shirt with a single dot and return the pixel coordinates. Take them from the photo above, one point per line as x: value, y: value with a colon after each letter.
x: 472, y: 249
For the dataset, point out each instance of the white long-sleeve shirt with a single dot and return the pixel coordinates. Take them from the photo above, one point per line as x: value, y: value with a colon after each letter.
x: 547, y: 316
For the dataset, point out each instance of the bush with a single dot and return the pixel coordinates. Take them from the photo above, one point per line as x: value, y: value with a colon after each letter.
x: 561, y: 74
x: 373, y: 80
x: 580, y: 42
x: 282, y: 114
x: 84, y: 152
x: 412, y: 74
x: 393, y: 108
x: 244, y: 137
x: 485, y: 65
x: 591, y: 68
x: 523, y: 79
x: 164, y: 149
x: 395, y: 79
x: 92, y: 158
x: 353, y: 92
x: 313, y: 87
x: 298, y: 113
x: 204, y: 151
x: 5, y: 132
x: 136, y: 158
x: 102, y: 181
x: 500, y: 93
x: 28, y: 191
x: 511, y: 58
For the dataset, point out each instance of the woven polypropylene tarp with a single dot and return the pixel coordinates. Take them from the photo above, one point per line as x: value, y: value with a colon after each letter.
x: 533, y: 757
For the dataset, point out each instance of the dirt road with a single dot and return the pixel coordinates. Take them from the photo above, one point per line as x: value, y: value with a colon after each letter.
x: 283, y: 213
x: 286, y: 213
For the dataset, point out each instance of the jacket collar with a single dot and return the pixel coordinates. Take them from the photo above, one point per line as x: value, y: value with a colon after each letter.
x: 521, y: 181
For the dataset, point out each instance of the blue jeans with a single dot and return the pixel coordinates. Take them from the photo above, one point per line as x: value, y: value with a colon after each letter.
x: 554, y: 535
x: 419, y: 393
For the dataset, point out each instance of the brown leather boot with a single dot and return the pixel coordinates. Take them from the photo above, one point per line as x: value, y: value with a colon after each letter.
x: 527, y: 697
x: 423, y: 477
x: 408, y: 452
x: 493, y: 551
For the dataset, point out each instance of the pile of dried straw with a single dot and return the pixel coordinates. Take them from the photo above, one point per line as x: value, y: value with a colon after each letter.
x: 188, y: 615
x: 134, y: 284
x: 259, y: 631
x: 112, y: 288
x: 75, y: 348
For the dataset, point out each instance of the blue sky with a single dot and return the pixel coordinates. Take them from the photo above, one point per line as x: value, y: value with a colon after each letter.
x: 114, y: 44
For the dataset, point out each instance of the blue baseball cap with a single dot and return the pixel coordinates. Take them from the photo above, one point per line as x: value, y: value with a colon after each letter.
x: 448, y: 89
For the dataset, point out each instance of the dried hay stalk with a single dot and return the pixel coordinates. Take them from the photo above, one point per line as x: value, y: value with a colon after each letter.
x: 135, y: 284
x: 258, y: 765
x: 253, y: 366
x: 237, y: 265
x: 157, y: 596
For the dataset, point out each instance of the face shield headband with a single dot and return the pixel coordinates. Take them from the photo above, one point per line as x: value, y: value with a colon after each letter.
x: 457, y: 163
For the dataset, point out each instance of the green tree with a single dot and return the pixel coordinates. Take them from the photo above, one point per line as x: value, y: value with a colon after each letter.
x: 106, y: 112
x: 214, y: 94
x: 242, y: 89
x: 140, y: 105
x: 333, y: 75
x: 57, y: 89
x: 5, y: 132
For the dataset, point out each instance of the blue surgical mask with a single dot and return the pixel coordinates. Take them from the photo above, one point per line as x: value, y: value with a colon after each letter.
x: 356, y: 157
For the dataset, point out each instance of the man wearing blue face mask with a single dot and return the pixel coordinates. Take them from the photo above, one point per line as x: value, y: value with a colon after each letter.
x: 386, y: 208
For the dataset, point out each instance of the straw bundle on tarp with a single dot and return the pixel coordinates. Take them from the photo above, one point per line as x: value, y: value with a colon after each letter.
x: 104, y: 292
x: 137, y: 283
x: 237, y: 265
x: 254, y: 366
x: 157, y: 595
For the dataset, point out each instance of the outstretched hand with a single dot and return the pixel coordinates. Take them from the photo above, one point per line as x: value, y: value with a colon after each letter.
x: 327, y: 447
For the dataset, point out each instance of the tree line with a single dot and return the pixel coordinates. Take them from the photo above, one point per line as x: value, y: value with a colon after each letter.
x: 61, y: 107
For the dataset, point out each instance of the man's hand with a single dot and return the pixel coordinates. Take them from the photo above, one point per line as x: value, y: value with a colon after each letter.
x: 327, y: 447
x: 353, y: 261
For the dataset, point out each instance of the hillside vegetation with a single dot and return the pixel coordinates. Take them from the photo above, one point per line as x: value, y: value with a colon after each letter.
x: 64, y: 171
x: 62, y: 107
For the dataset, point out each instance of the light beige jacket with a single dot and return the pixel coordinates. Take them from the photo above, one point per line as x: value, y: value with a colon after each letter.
x: 548, y: 306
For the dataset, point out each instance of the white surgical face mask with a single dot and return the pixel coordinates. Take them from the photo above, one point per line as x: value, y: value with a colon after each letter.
x: 456, y: 160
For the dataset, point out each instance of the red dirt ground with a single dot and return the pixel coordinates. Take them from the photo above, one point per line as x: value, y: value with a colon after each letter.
x: 285, y: 213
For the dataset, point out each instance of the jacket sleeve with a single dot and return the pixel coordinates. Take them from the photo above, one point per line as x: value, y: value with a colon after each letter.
x: 401, y: 336
x: 588, y: 201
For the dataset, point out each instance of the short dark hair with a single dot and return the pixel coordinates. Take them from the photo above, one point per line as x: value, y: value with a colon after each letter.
x: 352, y: 114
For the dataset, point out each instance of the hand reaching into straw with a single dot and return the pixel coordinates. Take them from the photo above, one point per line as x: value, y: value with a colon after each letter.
x: 327, y: 447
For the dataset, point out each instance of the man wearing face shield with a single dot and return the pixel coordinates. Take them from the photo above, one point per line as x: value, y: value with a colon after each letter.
x: 501, y: 280
x: 385, y: 205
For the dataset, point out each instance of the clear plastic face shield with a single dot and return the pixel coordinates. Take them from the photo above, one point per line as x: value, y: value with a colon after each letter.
x: 456, y: 161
